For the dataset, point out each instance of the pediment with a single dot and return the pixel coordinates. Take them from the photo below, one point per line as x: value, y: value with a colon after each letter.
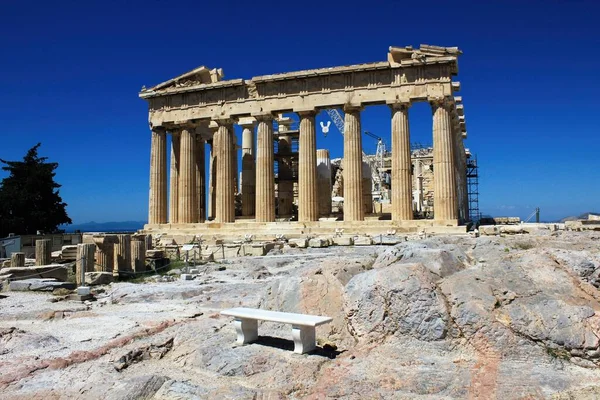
x: 195, y: 77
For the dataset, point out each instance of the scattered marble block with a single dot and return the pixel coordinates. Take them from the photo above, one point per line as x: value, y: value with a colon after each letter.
x: 318, y: 242
x: 187, y: 277
x: 254, y: 249
x: 39, y: 285
x: 363, y: 241
x: 299, y: 242
x: 83, y: 290
x: 388, y: 239
x: 343, y: 241
x: 98, y: 278
x: 56, y: 271
x: 78, y: 297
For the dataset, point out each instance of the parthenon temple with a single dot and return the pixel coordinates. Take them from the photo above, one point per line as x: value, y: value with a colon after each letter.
x: 282, y: 187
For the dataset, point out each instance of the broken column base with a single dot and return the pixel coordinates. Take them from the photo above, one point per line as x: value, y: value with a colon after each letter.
x: 83, y: 294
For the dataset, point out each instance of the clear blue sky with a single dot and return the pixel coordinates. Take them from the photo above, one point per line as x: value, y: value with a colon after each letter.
x: 70, y: 72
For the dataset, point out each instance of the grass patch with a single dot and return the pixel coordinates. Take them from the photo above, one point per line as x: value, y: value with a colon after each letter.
x: 559, y: 353
x: 524, y: 245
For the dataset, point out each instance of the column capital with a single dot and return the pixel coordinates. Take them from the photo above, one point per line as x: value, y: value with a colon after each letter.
x: 222, y: 121
x: 307, y: 113
x: 264, y: 116
x: 352, y: 107
x: 158, y: 129
x: 247, y: 122
x: 445, y: 102
x: 399, y: 105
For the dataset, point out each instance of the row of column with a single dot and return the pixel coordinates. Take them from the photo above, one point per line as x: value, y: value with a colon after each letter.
x: 258, y: 183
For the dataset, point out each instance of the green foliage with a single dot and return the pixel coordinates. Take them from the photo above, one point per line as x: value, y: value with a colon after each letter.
x: 29, y: 196
x: 558, y: 353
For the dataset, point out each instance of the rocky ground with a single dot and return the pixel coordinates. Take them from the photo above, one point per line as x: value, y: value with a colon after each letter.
x: 445, y: 317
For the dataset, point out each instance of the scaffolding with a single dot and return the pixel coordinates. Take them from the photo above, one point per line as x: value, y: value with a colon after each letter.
x: 473, y: 189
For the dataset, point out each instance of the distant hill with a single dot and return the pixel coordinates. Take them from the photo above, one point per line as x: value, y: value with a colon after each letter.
x: 120, y: 226
x: 582, y: 216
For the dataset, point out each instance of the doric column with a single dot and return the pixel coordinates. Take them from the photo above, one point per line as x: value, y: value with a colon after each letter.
x: 122, y: 254
x: 353, y: 201
x: 285, y: 177
x: 212, y: 180
x: 459, y: 168
x: 187, y: 177
x: 223, y: 153
x: 324, y: 182
x: 138, y: 256
x: 157, y: 207
x: 265, y: 183
x: 200, y: 179
x: 308, y: 206
x: 401, y: 164
x: 105, y: 252
x: 248, y: 170
x: 174, y: 180
x: 367, y: 187
x: 444, y: 183
x: 84, y: 262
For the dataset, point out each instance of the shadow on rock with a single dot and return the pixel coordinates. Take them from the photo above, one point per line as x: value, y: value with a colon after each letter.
x: 288, y: 345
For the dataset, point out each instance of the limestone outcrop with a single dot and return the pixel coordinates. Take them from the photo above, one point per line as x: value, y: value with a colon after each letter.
x: 442, y: 317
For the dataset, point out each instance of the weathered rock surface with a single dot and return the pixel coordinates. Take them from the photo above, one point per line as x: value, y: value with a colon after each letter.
x: 445, y: 317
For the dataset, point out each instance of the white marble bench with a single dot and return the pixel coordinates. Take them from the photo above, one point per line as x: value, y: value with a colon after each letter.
x: 303, y: 326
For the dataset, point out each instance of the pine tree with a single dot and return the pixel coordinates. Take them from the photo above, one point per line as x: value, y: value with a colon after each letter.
x: 29, y: 197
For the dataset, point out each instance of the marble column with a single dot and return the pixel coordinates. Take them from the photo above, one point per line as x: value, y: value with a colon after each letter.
x: 444, y: 183
x: 105, y: 249
x: 174, y: 179
x: 265, y: 180
x: 122, y: 254
x: 200, y: 179
x: 401, y: 164
x: 461, y: 181
x: 85, y: 261
x: 187, y: 177
x: 224, y: 187
x: 367, y: 188
x: 248, y: 170
x: 138, y: 256
x: 157, y: 209
x: 212, y: 180
x: 353, y: 201
x: 285, y: 177
x: 324, y: 182
x: 308, y: 203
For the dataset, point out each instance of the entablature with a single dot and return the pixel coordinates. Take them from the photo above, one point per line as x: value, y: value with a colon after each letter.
x: 427, y: 75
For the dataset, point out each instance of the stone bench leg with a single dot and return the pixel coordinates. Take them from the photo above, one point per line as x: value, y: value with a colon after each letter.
x: 246, y: 329
x: 304, y: 338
